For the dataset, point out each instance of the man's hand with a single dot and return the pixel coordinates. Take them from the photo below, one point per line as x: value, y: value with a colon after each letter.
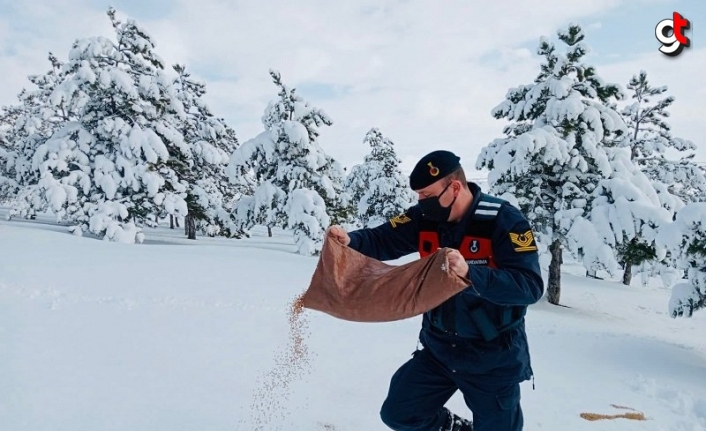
x: 340, y: 234
x: 457, y: 264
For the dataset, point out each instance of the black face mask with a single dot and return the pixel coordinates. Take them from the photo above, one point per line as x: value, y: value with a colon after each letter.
x: 432, y: 209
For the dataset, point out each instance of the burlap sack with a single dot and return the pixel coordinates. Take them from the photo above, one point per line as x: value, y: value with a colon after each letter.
x: 351, y: 286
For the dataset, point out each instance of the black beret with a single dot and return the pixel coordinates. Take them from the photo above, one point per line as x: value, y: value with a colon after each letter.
x: 433, y: 167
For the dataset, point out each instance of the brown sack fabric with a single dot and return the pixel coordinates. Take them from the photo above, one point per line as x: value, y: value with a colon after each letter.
x: 351, y: 286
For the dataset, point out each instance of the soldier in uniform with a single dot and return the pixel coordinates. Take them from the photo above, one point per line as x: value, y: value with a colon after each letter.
x: 475, y: 342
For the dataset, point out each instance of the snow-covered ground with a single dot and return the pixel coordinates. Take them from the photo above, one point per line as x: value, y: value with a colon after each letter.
x: 195, y: 335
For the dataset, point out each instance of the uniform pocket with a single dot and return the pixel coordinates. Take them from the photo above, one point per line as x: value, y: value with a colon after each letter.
x: 509, y: 397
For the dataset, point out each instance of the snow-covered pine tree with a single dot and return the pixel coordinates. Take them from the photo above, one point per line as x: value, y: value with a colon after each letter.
x: 25, y: 127
x: 652, y: 139
x: 377, y: 188
x: 338, y: 207
x: 357, y: 183
x: 622, y: 210
x: 118, y: 163
x: 554, y: 153
x: 677, y: 181
x: 293, y: 187
x: 209, y: 196
x: 8, y: 183
x: 685, y: 241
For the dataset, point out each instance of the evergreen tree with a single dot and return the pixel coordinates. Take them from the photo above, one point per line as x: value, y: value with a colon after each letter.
x: 622, y: 211
x: 377, y: 187
x: 554, y: 152
x: 116, y: 163
x: 209, y: 195
x: 8, y: 183
x: 685, y: 241
x: 25, y: 126
x: 338, y: 207
x: 294, y: 187
x: 651, y: 138
x: 677, y: 182
x: 110, y: 143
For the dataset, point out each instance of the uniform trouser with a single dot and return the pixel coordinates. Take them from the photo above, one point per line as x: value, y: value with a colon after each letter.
x: 421, y: 387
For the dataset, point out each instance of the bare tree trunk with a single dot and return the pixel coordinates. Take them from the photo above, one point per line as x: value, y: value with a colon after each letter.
x: 186, y: 225
x: 176, y: 221
x: 269, y: 231
x: 190, y: 226
x: 554, y: 283
x: 627, y: 275
x: 171, y: 221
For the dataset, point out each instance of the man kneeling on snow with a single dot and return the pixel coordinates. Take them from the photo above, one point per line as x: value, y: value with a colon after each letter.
x: 474, y: 342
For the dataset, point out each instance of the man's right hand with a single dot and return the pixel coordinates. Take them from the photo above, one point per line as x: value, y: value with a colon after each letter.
x: 340, y: 234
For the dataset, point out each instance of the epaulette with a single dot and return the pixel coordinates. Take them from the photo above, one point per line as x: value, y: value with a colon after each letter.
x: 488, y: 207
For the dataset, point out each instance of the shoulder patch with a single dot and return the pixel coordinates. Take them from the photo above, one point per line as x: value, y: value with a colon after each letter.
x: 523, y: 241
x: 400, y: 219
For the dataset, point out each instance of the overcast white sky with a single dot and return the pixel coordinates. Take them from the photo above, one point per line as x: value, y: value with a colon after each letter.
x: 426, y: 73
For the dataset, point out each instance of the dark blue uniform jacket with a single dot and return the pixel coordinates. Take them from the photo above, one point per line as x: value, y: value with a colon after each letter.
x: 449, y: 331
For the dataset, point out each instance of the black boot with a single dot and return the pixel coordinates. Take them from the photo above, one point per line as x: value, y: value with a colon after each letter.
x: 456, y: 423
